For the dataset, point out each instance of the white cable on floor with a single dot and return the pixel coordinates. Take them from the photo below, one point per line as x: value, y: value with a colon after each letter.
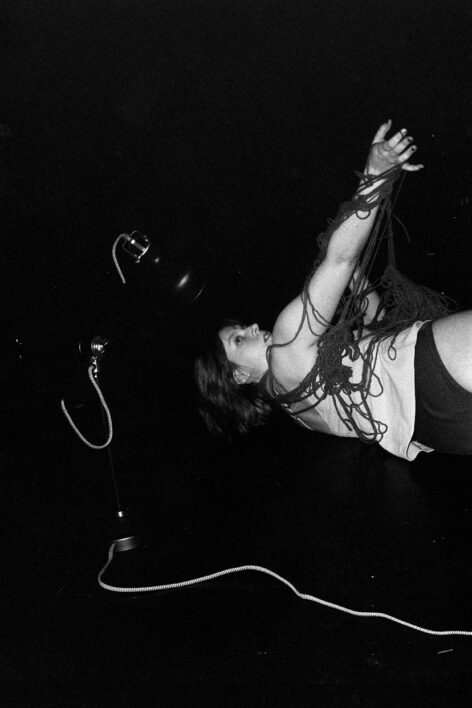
x: 261, y: 569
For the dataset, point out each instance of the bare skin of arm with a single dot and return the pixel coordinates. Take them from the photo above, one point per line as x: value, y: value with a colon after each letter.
x: 291, y: 363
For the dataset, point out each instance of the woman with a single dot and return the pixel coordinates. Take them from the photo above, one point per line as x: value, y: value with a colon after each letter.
x: 399, y: 375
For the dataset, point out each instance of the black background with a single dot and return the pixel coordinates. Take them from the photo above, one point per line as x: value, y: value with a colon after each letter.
x: 233, y: 129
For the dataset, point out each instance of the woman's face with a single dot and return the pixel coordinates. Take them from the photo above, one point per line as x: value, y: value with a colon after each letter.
x: 246, y: 347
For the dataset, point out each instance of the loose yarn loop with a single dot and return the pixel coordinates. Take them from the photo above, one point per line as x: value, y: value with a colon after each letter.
x: 402, y: 303
x: 405, y: 302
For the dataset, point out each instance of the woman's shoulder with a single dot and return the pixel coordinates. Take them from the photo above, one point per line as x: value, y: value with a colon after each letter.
x: 290, y: 365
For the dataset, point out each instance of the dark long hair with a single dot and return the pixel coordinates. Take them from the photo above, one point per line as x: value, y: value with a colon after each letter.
x: 227, y: 407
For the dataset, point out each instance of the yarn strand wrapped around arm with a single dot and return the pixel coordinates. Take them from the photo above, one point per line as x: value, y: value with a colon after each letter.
x: 301, y: 324
x: 401, y: 303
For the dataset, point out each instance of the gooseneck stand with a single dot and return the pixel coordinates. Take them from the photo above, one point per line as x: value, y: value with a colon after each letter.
x: 122, y: 534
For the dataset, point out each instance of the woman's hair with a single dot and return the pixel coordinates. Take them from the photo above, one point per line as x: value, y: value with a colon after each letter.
x: 226, y: 406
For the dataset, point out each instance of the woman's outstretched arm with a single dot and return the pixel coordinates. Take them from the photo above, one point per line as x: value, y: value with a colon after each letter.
x: 371, y: 298
x: 329, y: 281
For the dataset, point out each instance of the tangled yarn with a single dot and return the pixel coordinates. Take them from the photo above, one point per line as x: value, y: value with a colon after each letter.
x: 402, y: 303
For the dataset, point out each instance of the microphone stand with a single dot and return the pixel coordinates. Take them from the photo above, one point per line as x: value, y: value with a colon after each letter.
x: 123, y: 536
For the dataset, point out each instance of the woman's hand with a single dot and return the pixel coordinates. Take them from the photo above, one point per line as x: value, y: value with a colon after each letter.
x: 396, y: 151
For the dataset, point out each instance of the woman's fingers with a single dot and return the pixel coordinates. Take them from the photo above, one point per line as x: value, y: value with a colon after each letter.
x: 396, y: 140
x: 407, y: 153
x: 405, y: 156
x: 397, y: 150
x: 382, y: 131
x: 401, y: 148
x: 402, y: 145
x: 397, y: 143
x: 411, y: 168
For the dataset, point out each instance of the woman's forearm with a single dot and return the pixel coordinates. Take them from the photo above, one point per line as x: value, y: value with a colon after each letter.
x: 316, y: 306
x: 349, y: 238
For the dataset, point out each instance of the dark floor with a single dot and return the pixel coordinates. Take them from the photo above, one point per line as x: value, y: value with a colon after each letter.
x: 342, y: 521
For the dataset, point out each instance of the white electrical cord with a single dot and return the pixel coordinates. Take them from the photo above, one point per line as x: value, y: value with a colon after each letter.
x: 261, y: 569
x: 105, y: 408
x: 115, y: 258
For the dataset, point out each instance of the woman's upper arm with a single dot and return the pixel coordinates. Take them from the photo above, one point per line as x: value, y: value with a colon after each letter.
x: 299, y: 326
x: 325, y: 289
